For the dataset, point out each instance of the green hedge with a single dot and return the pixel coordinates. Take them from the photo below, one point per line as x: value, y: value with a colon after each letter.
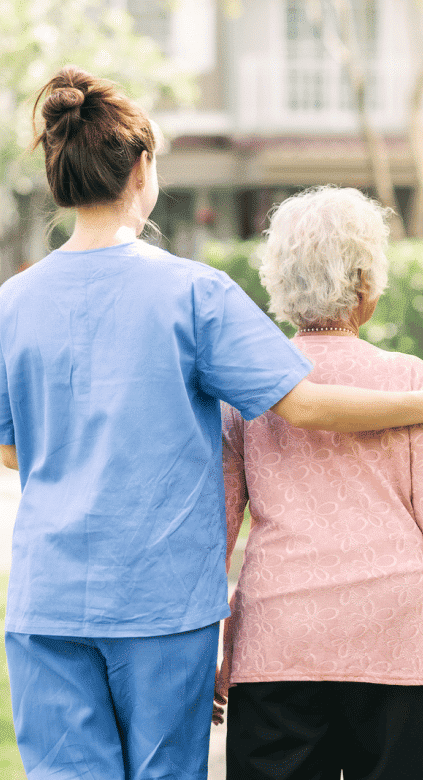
x: 397, y: 324
x: 10, y: 762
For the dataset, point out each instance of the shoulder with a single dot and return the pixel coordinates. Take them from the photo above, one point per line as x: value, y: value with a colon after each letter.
x: 405, y: 371
x: 408, y: 365
x: 198, y: 271
x: 22, y: 284
x: 391, y: 358
x: 205, y: 282
x: 357, y: 362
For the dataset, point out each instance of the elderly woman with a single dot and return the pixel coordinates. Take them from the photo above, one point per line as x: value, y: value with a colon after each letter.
x: 324, y: 648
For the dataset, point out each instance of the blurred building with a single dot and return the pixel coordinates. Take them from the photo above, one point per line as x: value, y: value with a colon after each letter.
x: 277, y: 111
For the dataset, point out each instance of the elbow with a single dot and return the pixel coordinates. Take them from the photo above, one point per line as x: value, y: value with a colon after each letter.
x: 297, y: 407
x: 296, y: 413
x: 308, y: 423
x: 312, y: 418
x: 298, y: 417
x: 306, y: 407
x: 10, y: 463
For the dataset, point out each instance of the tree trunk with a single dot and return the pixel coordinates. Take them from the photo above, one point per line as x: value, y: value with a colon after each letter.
x: 11, y: 256
x: 379, y: 161
x: 415, y: 133
x: 23, y: 243
x: 375, y: 143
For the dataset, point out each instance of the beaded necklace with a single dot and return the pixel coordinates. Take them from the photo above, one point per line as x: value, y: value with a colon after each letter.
x: 316, y: 330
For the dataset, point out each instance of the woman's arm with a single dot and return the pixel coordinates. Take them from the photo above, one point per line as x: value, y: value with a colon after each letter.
x: 8, y: 456
x: 236, y: 498
x: 348, y: 409
x: 416, y: 458
x: 236, y: 493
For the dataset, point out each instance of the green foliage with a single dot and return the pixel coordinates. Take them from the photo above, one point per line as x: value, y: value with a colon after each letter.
x: 38, y: 37
x: 10, y: 761
x: 241, y: 260
x: 397, y: 324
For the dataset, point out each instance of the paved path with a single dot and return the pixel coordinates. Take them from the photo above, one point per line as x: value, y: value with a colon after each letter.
x: 9, y: 500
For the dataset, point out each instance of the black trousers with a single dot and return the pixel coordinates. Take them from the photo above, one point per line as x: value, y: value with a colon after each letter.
x: 312, y: 730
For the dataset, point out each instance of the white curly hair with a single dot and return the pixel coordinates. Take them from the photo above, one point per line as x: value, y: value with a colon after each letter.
x: 321, y: 246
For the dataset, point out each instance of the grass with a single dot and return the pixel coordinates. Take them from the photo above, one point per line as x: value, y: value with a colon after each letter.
x: 245, y: 528
x: 10, y: 761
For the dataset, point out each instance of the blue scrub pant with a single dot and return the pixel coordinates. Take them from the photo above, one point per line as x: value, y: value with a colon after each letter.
x: 113, y: 709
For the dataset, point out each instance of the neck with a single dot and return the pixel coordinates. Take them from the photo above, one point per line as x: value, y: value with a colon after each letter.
x: 361, y: 313
x: 102, y: 226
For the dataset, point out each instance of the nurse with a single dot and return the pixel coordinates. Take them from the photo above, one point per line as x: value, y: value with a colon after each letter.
x: 113, y: 359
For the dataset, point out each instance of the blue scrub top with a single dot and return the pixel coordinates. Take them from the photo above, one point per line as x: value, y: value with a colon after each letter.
x: 112, y: 364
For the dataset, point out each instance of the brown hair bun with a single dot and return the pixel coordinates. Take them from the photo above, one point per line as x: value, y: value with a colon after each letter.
x: 61, y: 111
x: 92, y: 136
x: 62, y: 100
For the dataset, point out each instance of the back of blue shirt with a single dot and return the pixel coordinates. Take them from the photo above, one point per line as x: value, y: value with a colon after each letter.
x: 112, y: 365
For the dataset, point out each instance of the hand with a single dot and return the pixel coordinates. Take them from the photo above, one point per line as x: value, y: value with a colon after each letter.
x: 217, y: 716
x: 218, y: 701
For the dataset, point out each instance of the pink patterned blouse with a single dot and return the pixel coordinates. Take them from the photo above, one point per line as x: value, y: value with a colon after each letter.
x: 332, y: 582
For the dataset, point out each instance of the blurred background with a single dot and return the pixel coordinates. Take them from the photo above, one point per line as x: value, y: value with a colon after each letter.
x: 257, y: 99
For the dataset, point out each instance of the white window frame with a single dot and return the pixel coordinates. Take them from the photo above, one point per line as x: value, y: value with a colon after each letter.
x: 263, y: 85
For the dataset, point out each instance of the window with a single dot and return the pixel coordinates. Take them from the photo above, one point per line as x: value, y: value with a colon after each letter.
x: 304, y: 36
x: 306, y: 53
x: 316, y: 81
x: 306, y: 89
x: 304, y: 29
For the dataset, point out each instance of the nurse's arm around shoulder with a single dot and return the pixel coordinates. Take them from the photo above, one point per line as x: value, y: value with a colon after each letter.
x: 348, y: 409
x: 8, y: 456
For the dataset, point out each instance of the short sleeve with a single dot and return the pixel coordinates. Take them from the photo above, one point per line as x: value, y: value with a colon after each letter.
x: 242, y: 356
x: 7, y: 435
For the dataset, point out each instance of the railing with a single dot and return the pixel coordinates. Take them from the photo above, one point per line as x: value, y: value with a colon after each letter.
x: 276, y: 94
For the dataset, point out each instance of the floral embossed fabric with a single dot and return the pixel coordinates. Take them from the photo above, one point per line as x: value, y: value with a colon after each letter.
x: 332, y: 582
